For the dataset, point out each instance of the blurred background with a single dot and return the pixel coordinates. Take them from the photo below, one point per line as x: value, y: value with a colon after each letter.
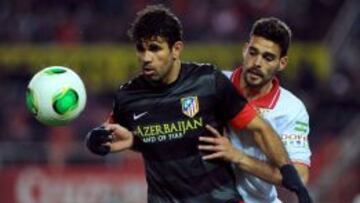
x: 41, y: 164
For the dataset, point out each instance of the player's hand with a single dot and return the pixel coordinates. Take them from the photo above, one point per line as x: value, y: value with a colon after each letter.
x: 96, y: 139
x: 219, y: 147
x: 122, y: 138
x: 292, y: 181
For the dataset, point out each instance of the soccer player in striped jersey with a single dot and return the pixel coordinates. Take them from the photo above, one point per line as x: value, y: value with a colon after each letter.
x: 263, y: 56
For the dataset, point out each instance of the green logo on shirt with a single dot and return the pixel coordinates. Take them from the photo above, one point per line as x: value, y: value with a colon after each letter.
x: 301, y: 126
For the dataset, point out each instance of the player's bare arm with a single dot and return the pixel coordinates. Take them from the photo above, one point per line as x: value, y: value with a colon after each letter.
x: 269, y: 142
x: 221, y: 147
x: 263, y: 142
x: 268, y: 171
x: 286, y: 175
x: 304, y: 172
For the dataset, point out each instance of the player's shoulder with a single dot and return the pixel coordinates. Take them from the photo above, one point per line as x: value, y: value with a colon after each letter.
x: 290, y: 101
x: 196, y: 65
x: 199, y: 68
x: 132, y: 89
x: 289, y: 97
x: 134, y: 83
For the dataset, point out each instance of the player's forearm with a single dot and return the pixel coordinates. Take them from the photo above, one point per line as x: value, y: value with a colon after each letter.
x: 261, y: 169
x: 272, y: 146
x: 270, y: 143
x: 303, y: 171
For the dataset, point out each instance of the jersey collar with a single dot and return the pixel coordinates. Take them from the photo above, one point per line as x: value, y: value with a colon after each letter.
x: 267, y: 101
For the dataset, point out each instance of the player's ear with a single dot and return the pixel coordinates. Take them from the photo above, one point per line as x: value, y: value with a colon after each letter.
x: 283, y: 63
x: 177, y: 49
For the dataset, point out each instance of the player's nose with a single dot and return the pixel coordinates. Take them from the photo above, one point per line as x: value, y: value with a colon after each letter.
x: 147, y: 57
x: 258, y: 61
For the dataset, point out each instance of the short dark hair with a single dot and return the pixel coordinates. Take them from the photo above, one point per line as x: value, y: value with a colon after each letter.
x: 275, y: 30
x: 156, y: 20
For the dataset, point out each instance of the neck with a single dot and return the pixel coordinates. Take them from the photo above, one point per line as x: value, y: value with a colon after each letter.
x: 174, y: 73
x: 251, y: 93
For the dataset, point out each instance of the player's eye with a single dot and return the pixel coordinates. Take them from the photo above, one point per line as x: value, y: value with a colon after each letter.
x: 269, y: 57
x: 252, y: 52
x: 154, y: 47
x: 140, y: 47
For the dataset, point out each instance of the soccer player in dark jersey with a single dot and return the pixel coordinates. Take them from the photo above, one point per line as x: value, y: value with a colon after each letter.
x: 164, y: 110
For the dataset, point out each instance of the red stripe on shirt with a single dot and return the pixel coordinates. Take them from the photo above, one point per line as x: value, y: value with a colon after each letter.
x: 243, y: 118
x: 266, y: 101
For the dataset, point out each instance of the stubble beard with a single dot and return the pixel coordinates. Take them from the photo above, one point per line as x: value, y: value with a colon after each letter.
x: 258, y: 83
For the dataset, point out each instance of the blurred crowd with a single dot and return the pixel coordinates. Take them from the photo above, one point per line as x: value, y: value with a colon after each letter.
x: 75, y: 21
x: 332, y: 103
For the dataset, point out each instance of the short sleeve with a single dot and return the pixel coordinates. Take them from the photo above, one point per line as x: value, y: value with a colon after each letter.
x: 117, y: 116
x: 295, y: 137
x: 232, y: 106
x: 118, y: 111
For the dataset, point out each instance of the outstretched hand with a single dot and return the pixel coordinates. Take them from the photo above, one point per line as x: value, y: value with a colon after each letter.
x: 219, y: 147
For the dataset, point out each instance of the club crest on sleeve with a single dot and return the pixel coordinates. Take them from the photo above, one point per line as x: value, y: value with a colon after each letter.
x: 190, y: 106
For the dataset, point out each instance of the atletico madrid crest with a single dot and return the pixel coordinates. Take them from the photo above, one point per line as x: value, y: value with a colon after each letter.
x: 190, y: 106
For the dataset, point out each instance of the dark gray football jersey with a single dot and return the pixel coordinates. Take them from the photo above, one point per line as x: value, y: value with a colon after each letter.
x: 168, y: 121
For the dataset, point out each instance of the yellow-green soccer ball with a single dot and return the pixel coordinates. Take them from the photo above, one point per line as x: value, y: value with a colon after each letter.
x: 56, y: 95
